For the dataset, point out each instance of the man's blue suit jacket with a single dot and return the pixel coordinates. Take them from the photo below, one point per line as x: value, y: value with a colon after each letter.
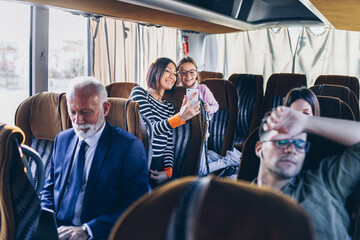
x: 118, y: 176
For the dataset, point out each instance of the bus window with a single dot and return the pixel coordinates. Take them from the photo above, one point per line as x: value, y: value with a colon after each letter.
x: 14, y: 58
x: 67, y: 48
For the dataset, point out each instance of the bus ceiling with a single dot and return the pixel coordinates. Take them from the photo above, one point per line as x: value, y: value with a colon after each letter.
x: 223, y: 16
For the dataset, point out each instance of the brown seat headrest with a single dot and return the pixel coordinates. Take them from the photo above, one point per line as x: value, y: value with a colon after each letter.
x: 206, y: 74
x: 284, y: 82
x: 45, y: 120
x: 124, y: 113
x: 218, y: 209
x: 120, y: 89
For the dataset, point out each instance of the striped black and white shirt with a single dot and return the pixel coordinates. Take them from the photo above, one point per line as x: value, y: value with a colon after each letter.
x: 158, y: 113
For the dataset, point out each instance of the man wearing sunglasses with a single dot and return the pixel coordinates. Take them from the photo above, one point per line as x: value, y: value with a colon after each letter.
x: 321, y: 192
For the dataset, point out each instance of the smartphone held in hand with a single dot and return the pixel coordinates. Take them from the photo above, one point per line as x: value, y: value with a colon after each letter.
x: 190, y: 93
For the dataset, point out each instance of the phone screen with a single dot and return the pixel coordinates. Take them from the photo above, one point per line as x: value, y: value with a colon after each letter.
x: 189, y: 93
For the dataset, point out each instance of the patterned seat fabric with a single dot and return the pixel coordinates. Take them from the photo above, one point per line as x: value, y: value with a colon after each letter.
x: 188, y: 138
x: 222, y: 127
x: 19, y: 204
x: 250, y: 91
x: 147, y: 137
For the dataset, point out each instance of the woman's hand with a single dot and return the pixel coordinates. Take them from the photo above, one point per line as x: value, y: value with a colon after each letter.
x: 158, y: 176
x: 187, y: 112
x: 207, y: 107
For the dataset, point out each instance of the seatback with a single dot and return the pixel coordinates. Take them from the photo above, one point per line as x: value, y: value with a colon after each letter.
x: 347, y: 81
x: 124, y: 113
x: 341, y: 92
x: 333, y: 108
x: 249, y: 163
x: 42, y: 117
x: 213, y: 208
x: 203, y: 75
x: 250, y: 92
x: 222, y: 127
x: 120, y: 89
x: 188, y: 138
x: 278, y: 85
x: 19, y: 204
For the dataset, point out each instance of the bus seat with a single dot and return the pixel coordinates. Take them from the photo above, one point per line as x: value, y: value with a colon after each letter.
x: 347, y: 81
x: 212, y: 208
x: 341, y: 92
x: 120, y: 89
x: 203, y: 75
x: 188, y: 138
x: 249, y: 163
x: 333, y: 108
x: 124, y: 113
x: 222, y: 127
x: 42, y: 117
x: 250, y: 91
x: 278, y: 85
x: 19, y: 204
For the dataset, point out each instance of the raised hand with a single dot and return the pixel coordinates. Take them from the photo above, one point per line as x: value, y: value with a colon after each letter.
x: 186, y: 111
x: 286, y: 121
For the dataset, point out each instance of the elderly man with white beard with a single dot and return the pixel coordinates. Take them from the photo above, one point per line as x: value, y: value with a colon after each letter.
x: 97, y: 170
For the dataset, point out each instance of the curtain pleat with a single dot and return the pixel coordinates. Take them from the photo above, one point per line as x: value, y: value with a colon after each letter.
x: 123, y: 50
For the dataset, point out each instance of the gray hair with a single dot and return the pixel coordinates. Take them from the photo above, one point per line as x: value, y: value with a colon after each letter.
x: 82, y: 82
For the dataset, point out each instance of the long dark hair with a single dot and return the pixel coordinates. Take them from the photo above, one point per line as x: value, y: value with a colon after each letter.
x: 307, y: 95
x: 156, y: 71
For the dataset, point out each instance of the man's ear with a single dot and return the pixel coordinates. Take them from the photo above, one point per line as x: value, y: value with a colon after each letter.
x: 258, y: 149
x: 106, y: 107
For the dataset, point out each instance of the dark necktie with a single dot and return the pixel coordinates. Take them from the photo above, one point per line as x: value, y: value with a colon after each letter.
x: 67, y: 207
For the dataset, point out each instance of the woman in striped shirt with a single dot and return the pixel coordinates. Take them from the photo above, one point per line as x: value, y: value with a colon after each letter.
x: 160, y: 78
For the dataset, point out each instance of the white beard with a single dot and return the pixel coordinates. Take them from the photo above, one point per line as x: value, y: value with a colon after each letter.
x: 93, y: 128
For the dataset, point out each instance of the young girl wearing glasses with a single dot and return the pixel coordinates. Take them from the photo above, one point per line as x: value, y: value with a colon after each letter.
x: 188, y: 74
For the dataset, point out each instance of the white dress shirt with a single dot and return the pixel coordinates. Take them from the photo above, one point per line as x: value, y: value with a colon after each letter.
x: 89, y: 155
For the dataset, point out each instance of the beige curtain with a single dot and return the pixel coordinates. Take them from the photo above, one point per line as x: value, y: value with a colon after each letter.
x: 328, y: 52
x: 123, y: 50
x: 261, y: 52
x: 317, y: 51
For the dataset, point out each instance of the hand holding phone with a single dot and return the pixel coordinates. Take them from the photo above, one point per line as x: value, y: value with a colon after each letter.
x: 190, y: 93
